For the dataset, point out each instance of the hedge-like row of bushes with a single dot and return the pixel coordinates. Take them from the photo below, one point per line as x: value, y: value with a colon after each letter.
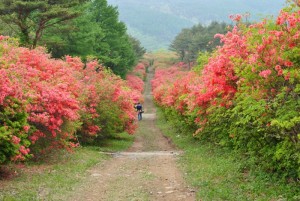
x: 245, y: 95
x: 47, y: 104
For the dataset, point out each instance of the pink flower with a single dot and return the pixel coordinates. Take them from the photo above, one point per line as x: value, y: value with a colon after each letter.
x: 3, y: 37
x: 288, y: 63
x: 33, y: 139
x: 23, y: 150
x: 16, y: 140
x: 287, y: 77
x: 280, y: 20
x: 265, y: 73
x: 277, y: 67
x: 26, y: 128
x: 236, y: 17
x: 279, y: 70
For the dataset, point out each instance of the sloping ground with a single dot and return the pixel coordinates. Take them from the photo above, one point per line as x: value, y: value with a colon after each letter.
x: 147, y: 171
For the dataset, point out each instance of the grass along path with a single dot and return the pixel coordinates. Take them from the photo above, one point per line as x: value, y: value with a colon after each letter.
x: 59, y: 174
x: 221, y: 174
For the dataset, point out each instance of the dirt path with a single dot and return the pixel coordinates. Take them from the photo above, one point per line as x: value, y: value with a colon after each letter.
x: 147, y: 171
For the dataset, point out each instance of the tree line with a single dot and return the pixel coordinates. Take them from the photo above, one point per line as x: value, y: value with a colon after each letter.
x: 89, y: 29
x: 199, y: 38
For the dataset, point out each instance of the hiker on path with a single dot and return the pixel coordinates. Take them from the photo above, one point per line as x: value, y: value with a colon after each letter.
x: 139, y: 109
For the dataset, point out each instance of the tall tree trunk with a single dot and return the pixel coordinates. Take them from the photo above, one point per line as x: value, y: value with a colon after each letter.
x: 38, y: 33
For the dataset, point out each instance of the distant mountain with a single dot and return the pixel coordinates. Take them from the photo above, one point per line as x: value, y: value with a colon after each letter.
x: 156, y: 22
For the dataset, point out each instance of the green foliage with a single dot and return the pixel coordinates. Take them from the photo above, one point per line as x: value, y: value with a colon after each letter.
x: 99, y: 34
x: 77, y: 37
x: 118, y: 142
x: 90, y: 30
x: 214, y: 132
x: 265, y: 124
x: 189, y: 42
x: 46, y: 145
x: 202, y: 60
x: 138, y: 49
x: 109, y: 120
x: 265, y: 119
x: 219, y: 173
x: 8, y: 29
x: 33, y: 17
x: 113, y: 49
x: 13, y: 119
x: 182, y: 124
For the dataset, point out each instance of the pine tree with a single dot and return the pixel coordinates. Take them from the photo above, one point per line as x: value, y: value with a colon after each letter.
x: 32, y: 17
x: 114, y: 48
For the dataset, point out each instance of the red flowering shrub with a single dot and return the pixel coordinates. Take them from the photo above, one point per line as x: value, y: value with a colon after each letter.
x: 118, y: 95
x: 247, y: 94
x: 162, y: 83
x: 140, y: 71
x: 267, y: 102
x: 48, y: 87
x: 106, y: 102
x: 43, y: 102
x: 136, y: 83
x: 216, y: 85
x: 13, y: 122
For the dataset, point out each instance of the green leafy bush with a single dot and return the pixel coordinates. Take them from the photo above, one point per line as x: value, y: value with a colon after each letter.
x: 14, y: 141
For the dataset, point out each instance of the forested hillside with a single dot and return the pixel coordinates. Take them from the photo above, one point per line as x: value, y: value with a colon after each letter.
x: 155, y: 23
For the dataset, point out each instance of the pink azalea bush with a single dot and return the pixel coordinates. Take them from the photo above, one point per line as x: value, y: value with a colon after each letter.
x: 246, y: 94
x: 136, y: 83
x: 140, y: 71
x: 44, y: 102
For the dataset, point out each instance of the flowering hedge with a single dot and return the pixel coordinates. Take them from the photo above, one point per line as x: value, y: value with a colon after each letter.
x: 139, y: 71
x: 246, y: 94
x: 136, y: 83
x: 48, y: 104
